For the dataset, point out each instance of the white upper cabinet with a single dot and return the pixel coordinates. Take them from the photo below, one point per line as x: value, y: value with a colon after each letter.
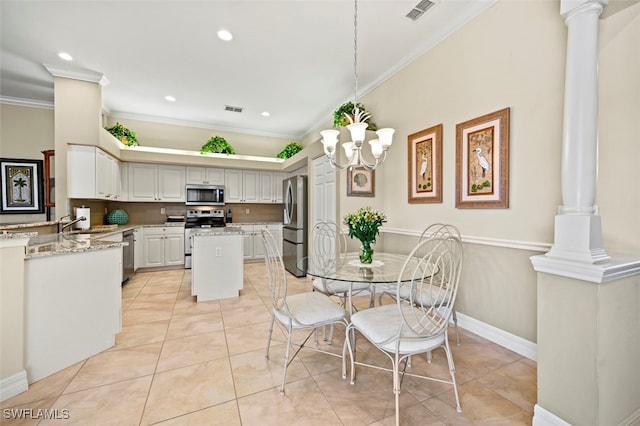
x: 156, y: 182
x: 271, y: 186
x: 242, y: 186
x: 205, y: 175
x: 92, y: 173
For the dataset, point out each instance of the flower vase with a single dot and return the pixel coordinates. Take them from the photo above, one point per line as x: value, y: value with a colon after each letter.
x: 366, y: 252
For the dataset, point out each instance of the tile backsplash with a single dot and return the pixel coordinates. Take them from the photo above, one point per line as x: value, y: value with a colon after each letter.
x: 150, y: 213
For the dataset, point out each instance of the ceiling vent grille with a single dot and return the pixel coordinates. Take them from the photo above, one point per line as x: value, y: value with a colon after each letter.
x: 232, y: 108
x: 419, y: 10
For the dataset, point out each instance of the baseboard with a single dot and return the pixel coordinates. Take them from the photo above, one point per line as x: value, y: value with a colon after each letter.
x: 542, y: 417
x: 13, y: 385
x: 510, y: 341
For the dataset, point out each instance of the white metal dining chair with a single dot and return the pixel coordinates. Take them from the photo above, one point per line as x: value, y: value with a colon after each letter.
x: 329, y: 243
x: 436, y: 229
x: 410, y: 327
x: 304, y: 311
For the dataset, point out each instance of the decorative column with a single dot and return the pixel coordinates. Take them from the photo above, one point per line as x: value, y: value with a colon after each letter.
x: 578, y: 234
x: 588, y: 322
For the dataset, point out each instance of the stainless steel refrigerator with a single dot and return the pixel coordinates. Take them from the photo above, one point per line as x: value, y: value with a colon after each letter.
x: 294, y: 231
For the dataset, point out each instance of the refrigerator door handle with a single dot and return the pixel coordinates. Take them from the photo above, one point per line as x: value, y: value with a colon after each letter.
x: 288, y: 202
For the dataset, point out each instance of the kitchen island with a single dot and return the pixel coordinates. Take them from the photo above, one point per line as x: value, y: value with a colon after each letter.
x: 72, y: 300
x: 217, y: 263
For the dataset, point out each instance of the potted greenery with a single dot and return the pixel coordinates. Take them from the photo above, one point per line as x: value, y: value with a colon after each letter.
x: 290, y: 150
x: 217, y: 145
x: 347, y: 109
x: 124, y: 135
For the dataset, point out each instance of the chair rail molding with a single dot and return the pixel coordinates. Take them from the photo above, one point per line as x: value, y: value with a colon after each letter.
x: 470, y: 239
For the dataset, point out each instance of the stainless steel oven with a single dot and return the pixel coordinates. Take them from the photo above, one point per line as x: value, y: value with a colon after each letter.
x: 199, y: 217
x: 205, y: 195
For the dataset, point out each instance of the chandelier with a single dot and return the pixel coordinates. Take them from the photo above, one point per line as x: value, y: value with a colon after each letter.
x: 357, y: 127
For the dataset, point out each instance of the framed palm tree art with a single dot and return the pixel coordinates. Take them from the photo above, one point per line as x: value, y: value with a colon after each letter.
x: 22, y: 186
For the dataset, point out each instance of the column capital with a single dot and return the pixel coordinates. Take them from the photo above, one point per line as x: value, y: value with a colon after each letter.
x: 569, y: 7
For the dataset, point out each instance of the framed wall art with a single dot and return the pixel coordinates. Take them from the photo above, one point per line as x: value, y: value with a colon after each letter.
x: 482, y: 162
x: 22, y: 189
x: 425, y: 165
x: 361, y: 182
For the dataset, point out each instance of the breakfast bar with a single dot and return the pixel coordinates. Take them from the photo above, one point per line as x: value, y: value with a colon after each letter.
x: 72, y: 291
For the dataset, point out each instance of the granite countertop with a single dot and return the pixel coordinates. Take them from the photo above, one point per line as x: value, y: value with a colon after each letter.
x: 209, y: 232
x: 235, y: 224
x: 56, y: 244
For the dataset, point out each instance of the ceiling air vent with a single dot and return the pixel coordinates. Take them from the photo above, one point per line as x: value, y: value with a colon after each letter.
x: 419, y: 10
x: 232, y: 108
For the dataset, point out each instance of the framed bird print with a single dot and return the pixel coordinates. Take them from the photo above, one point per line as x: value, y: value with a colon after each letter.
x: 425, y: 165
x: 482, y: 162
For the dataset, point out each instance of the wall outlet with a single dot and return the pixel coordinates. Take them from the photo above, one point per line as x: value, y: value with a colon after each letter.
x: 105, y: 210
x: 218, y: 251
x: 247, y: 211
x: 162, y: 210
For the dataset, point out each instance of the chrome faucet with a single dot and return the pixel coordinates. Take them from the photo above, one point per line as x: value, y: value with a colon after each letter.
x: 63, y: 226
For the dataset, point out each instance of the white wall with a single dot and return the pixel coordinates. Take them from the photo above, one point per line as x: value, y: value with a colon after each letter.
x: 513, y: 56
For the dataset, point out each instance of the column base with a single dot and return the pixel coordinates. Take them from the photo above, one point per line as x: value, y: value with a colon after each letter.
x: 578, y: 238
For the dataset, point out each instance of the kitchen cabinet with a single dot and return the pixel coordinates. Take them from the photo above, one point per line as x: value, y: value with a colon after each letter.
x: 241, y: 186
x: 92, y: 173
x: 253, y: 247
x: 156, y: 182
x: 205, y: 175
x: 217, y: 271
x: 163, y: 246
x: 267, y: 187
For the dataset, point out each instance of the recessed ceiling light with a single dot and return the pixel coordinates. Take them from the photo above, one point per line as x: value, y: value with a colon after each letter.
x: 266, y: 114
x: 170, y: 98
x: 225, y: 35
x: 65, y: 56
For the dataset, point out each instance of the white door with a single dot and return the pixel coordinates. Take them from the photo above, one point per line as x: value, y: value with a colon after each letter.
x: 324, y: 192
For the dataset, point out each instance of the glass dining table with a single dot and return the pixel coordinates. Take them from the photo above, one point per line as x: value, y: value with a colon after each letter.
x: 383, y: 272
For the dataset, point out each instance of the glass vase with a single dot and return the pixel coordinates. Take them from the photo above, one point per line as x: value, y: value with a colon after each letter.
x: 366, y: 252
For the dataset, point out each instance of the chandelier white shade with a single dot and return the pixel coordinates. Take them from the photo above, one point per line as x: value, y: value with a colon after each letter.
x: 353, y: 148
x: 358, y: 126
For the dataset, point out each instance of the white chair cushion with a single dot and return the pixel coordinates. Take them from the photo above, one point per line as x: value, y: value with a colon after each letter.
x: 337, y: 287
x: 380, y: 325
x: 310, y: 309
x: 426, y: 298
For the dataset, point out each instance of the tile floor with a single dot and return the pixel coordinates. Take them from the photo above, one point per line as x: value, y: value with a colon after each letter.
x: 177, y: 362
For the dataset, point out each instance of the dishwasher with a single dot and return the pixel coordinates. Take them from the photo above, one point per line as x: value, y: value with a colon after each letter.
x: 127, y: 255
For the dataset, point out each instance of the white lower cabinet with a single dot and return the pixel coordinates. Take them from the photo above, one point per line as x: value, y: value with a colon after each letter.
x: 163, y: 246
x: 253, y: 247
x: 217, y: 267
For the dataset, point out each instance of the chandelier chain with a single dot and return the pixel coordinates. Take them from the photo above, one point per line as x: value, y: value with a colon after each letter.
x: 355, y: 51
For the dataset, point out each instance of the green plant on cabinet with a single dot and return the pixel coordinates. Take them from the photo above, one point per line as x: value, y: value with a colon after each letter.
x: 217, y: 145
x: 124, y: 135
x: 290, y: 150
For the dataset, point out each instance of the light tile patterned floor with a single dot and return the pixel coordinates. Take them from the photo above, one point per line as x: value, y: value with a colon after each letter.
x: 178, y: 362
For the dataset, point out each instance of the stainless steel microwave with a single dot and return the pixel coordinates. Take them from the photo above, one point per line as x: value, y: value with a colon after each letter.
x: 205, y: 195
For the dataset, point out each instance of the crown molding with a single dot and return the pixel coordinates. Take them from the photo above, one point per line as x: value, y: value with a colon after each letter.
x: 31, y: 103
x: 77, y: 74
